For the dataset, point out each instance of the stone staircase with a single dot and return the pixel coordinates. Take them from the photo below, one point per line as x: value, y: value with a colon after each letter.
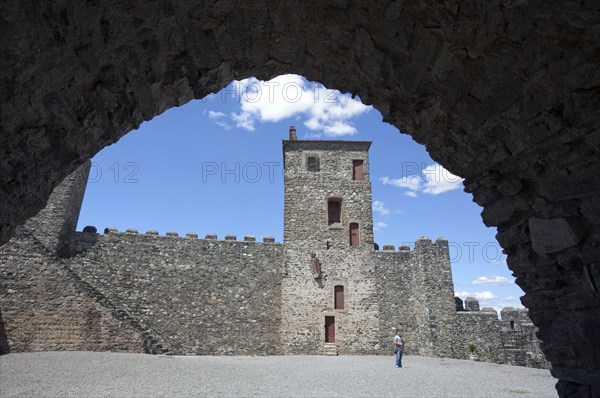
x: 329, y: 349
x: 151, y: 344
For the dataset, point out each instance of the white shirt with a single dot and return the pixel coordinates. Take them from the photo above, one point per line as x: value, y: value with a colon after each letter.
x: 398, y: 340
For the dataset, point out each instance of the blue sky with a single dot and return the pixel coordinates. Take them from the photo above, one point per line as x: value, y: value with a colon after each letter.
x: 215, y: 166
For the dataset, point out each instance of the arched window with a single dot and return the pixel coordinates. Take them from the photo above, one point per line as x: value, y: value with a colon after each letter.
x: 338, y: 297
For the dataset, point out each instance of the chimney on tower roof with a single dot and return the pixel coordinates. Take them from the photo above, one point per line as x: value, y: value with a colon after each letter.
x: 293, y: 133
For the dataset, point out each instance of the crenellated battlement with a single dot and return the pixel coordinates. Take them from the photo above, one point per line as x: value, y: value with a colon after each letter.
x: 423, y: 243
x: 471, y: 307
x: 516, y: 342
x: 190, y: 235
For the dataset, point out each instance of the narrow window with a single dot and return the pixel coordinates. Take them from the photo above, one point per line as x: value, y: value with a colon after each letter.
x: 357, y: 173
x: 354, y: 238
x: 512, y: 324
x: 312, y: 163
x: 338, y: 297
x: 334, y: 207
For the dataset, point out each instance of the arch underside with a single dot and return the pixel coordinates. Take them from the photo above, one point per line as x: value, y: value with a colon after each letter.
x: 504, y: 94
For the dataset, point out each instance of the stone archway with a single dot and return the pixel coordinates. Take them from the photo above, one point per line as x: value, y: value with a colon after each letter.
x: 503, y: 93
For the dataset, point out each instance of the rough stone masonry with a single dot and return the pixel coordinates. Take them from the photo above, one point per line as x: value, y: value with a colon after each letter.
x: 325, y: 290
x: 503, y: 93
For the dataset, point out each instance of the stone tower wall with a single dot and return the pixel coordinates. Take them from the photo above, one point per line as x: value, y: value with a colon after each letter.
x: 415, y: 294
x: 307, y: 300
x: 61, y: 213
x: 438, y: 291
x: 312, y: 242
x: 401, y: 303
x: 307, y: 192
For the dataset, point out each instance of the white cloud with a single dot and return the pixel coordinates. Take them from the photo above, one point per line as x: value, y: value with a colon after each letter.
x: 492, y: 280
x: 412, y: 183
x: 378, y: 207
x: 328, y: 112
x: 486, y: 295
x: 215, y: 115
x: 379, y: 225
x: 243, y: 120
x: 434, y: 180
x: 509, y: 298
x: 439, y: 180
x: 225, y: 125
x: 217, y: 118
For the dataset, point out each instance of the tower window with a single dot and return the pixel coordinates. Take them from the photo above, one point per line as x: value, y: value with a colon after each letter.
x: 354, y: 234
x: 312, y: 163
x: 338, y: 297
x: 334, y: 211
x: 357, y: 172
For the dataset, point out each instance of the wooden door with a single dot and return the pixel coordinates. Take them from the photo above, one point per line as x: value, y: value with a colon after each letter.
x: 358, y: 173
x: 354, y: 235
x: 330, y: 329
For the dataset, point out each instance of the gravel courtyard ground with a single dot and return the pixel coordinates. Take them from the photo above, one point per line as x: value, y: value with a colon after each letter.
x: 102, y: 374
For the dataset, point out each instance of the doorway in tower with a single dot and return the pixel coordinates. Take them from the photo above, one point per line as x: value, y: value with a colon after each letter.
x: 330, y: 329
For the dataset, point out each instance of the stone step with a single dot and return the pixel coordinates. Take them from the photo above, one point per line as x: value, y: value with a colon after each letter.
x: 329, y: 349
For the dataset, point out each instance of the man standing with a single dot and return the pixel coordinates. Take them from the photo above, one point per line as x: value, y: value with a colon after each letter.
x: 399, y: 343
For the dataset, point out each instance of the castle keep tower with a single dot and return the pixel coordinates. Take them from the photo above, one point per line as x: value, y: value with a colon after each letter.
x: 329, y: 300
x: 327, y: 194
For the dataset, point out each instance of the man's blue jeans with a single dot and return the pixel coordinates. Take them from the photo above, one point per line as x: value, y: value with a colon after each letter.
x: 399, y: 353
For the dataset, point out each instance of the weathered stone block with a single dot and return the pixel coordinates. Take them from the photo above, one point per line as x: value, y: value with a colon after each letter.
x: 471, y: 304
x: 552, y: 235
x: 459, y: 304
